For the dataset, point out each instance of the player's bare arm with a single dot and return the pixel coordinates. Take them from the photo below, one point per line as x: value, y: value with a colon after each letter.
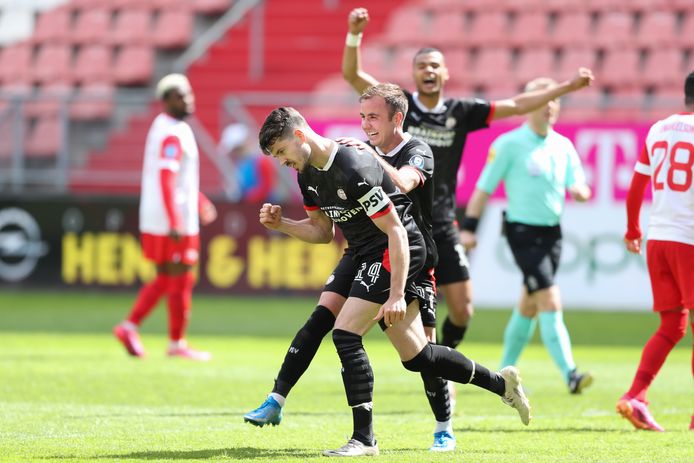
x: 530, y: 101
x: 206, y: 210
x: 633, y: 237
x: 395, y: 307
x: 317, y: 228
x: 406, y: 178
x: 473, y: 212
x: 580, y: 192
x: 351, y: 60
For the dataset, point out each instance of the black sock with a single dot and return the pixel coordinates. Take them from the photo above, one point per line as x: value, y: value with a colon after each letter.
x: 303, y: 349
x: 452, y: 335
x: 358, y: 379
x: 437, y: 394
x: 450, y: 364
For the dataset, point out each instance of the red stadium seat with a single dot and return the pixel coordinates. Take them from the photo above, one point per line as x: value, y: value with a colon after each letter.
x: 174, y: 29
x: 574, y: 58
x: 94, y: 64
x: 93, y: 101
x: 458, y: 63
x: 212, y: 6
x: 530, y: 29
x: 15, y: 64
x: 44, y: 138
x: 53, y: 26
x: 664, y: 68
x: 134, y: 65
x: 491, y: 68
x: 622, y: 67
x: 657, y: 30
x: 132, y: 27
x: 572, y: 30
x: 489, y: 30
x: 448, y: 28
x: 406, y: 26
x: 534, y: 62
x: 92, y: 26
x: 53, y: 64
x: 614, y: 30
x: 684, y: 38
x: 49, y: 100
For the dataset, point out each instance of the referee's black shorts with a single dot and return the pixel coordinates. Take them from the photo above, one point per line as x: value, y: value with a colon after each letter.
x: 537, y: 251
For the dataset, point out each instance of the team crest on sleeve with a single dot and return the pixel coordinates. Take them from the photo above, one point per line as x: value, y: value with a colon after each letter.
x: 341, y: 193
x: 170, y: 150
x: 416, y: 161
x: 451, y: 122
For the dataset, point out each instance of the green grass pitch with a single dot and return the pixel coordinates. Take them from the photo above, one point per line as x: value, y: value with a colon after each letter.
x: 69, y: 393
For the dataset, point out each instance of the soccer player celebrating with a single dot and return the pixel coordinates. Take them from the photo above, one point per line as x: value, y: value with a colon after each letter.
x: 384, y: 108
x: 348, y: 187
x: 171, y: 207
x: 443, y: 123
x: 667, y: 160
x: 537, y: 166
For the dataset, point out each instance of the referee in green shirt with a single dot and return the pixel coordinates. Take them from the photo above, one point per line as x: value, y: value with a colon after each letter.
x: 537, y: 166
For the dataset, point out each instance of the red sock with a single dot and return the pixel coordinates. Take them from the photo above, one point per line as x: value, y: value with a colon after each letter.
x: 673, y: 326
x: 147, y: 298
x: 180, y: 298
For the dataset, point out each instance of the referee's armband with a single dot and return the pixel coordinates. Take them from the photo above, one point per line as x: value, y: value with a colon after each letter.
x: 470, y: 224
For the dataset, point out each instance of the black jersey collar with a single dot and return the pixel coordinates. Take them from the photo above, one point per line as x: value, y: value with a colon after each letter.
x: 331, y: 158
x: 438, y: 109
x: 406, y: 137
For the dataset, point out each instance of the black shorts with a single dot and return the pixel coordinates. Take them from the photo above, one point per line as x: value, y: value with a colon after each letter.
x: 426, y: 293
x: 368, y: 278
x: 453, y: 264
x: 537, y: 251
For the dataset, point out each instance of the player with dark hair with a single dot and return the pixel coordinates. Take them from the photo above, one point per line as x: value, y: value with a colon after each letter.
x: 667, y: 159
x: 171, y: 208
x: 443, y: 123
x: 348, y: 187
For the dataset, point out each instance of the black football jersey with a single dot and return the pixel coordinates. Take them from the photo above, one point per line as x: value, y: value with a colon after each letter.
x: 445, y: 130
x: 352, y: 189
x: 416, y: 154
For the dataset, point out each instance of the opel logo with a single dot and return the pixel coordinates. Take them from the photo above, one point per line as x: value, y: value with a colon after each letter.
x: 20, y: 244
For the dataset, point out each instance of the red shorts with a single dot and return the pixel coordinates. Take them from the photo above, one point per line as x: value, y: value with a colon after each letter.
x: 671, y: 268
x: 163, y: 249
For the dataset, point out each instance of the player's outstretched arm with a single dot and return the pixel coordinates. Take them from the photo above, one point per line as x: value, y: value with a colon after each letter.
x: 351, y: 59
x: 473, y: 212
x: 529, y: 101
x: 317, y: 228
x: 580, y: 192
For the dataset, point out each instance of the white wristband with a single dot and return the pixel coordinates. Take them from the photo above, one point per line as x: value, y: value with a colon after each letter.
x: 353, y: 40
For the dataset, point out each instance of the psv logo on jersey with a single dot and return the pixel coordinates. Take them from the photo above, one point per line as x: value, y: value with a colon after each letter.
x: 373, y: 201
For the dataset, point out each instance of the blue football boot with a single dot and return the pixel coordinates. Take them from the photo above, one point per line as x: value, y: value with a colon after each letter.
x: 270, y: 412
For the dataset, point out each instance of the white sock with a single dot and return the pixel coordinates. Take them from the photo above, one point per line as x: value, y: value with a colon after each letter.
x: 280, y: 399
x: 180, y: 344
x: 128, y: 325
x: 444, y: 426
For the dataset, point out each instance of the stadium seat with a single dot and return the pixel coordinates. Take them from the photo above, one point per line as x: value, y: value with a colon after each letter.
x: 401, y: 70
x: 134, y: 65
x: 212, y: 6
x: 534, y: 62
x: 614, y: 30
x: 93, y: 101
x: 686, y: 32
x: 572, y: 30
x: 448, y: 28
x: 489, y: 30
x: 132, y: 27
x: 92, y: 26
x: 458, y: 63
x: 530, y: 29
x: 491, y: 68
x: 15, y: 64
x: 49, y: 100
x: 44, y: 138
x: 53, y: 64
x: 16, y: 24
x: 657, y: 29
x: 53, y: 26
x: 664, y: 68
x: 574, y: 58
x: 621, y: 67
x: 94, y: 63
x: 407, y: 25
x: 174, y: 29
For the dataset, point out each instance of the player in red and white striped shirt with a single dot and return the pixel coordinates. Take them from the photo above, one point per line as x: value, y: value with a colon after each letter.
x: 171, y: 207
x: 668, y: 161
